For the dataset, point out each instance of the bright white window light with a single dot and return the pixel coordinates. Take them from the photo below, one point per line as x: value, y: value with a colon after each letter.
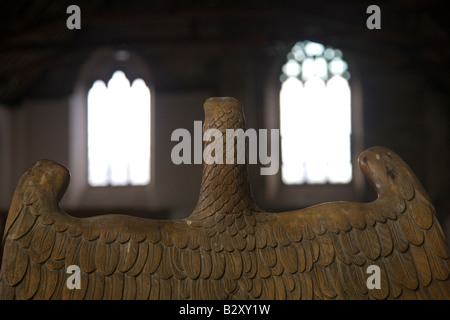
x: 119, y: 132
x: 292, y: 68
x: 315, y: 117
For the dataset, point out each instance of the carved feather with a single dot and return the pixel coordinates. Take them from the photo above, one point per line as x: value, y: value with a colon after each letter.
x: 421, y: 265
x: 228, y: 248
x: 384, y: 235
x: 369, y: 243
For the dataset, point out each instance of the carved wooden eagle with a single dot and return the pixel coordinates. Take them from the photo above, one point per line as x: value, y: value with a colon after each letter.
x: 229, y: 248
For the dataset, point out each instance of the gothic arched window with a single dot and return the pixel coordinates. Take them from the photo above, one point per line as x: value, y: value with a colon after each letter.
x: 118, y: 132
x: 111, y: 116
x: 315, y: 116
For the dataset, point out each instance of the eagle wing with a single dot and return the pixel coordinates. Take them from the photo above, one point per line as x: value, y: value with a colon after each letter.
x: 119, y: 257
x: 329, y: 248
x: 322, y: 252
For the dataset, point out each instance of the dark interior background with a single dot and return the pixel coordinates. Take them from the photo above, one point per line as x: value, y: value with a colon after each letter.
x: 197, y: 49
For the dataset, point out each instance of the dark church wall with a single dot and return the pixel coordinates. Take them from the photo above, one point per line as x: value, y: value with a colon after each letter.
x: 408, y: 113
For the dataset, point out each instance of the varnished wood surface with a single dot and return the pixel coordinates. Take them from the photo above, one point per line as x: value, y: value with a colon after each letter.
x: 228, y: 248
